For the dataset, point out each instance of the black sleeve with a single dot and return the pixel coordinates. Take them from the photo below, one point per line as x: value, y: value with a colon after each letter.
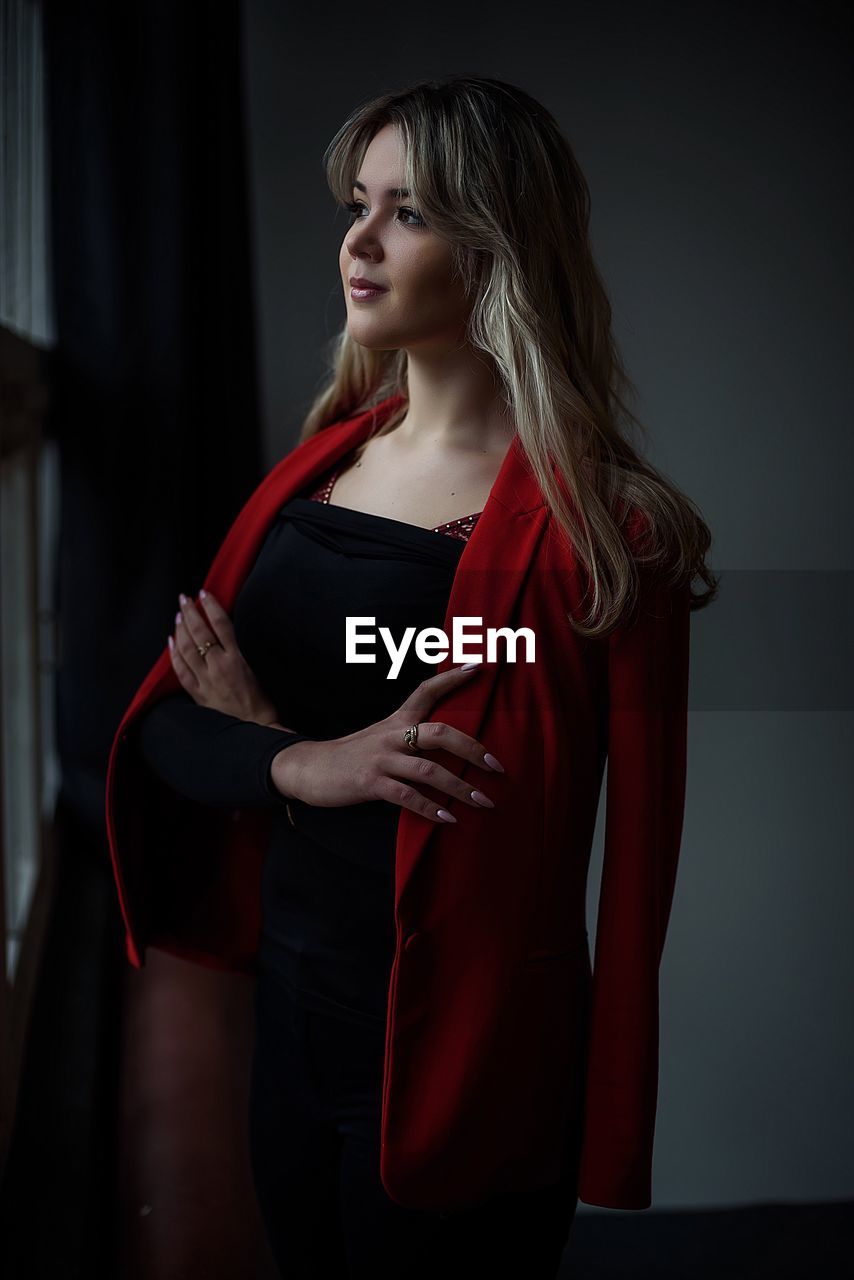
x: 212, y: 757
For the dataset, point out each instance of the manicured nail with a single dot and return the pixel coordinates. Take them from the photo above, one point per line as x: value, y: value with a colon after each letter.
x: 493, y: 763
x: 480, y: 798
x: 445, y: 816
x: 469, y: 666
x: 202, y: 595
x: 178, y: 619
x: 171, y: 643
x: 182, y: 598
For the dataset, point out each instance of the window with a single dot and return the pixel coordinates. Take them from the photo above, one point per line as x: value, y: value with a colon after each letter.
x: 29, y: 771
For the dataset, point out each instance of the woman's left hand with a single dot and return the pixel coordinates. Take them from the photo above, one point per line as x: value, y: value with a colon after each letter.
x: 222, y: 679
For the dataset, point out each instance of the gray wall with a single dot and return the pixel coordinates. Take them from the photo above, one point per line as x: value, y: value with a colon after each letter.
x: 715, y: 142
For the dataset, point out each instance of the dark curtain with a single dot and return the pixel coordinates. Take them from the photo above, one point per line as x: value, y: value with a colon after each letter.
x: 155, y: 411
x: 156, y: 407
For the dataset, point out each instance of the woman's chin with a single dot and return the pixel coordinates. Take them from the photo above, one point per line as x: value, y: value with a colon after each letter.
x: 373, y: 341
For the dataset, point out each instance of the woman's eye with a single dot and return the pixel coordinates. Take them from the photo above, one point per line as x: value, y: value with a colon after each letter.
x: 354, y: 207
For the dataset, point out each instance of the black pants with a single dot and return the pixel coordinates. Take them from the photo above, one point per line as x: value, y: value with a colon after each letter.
x: 314, y: 1131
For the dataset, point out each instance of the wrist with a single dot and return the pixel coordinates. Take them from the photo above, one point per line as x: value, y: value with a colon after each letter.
x: 287, y: 768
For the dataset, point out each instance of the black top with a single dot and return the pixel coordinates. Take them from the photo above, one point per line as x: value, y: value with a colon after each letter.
x: 328, y: 881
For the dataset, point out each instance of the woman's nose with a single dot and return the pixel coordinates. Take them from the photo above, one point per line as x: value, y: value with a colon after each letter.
x: 362, y: 246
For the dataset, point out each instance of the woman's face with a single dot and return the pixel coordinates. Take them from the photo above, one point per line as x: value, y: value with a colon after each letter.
x: 422, y: 309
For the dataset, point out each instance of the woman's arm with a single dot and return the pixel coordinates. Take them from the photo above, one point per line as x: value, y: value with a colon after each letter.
x: 274, y: 724
x: 213, y: 758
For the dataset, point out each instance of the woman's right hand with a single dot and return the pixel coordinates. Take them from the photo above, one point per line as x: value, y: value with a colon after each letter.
x: 376, y: 764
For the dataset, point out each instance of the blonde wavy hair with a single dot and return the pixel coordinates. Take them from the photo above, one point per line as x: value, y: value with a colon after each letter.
x: 488, y: 169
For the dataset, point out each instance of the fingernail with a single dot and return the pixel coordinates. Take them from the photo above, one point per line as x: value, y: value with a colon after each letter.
x: 445, y: 816
x: 493, y: 763
x: 170, y: 642
x: 469, y: 666
x: 182, y: 598
x: 202, y: 595
x: 480, y: 798
x: 178, y: 619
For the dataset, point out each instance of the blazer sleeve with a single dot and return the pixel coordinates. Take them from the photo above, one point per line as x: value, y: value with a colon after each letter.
x: 210, y: 757
x: 648, y: 667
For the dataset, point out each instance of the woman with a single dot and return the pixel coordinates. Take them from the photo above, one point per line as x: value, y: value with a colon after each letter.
x: 402, y: 861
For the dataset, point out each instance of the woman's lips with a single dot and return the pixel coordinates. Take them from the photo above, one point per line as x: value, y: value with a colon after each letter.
x: 364, y: 293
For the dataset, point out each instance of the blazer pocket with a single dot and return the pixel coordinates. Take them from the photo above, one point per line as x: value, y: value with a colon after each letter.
x: 544, y: 956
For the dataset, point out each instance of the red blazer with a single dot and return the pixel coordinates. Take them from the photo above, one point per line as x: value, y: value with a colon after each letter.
x: 496, y: 1028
